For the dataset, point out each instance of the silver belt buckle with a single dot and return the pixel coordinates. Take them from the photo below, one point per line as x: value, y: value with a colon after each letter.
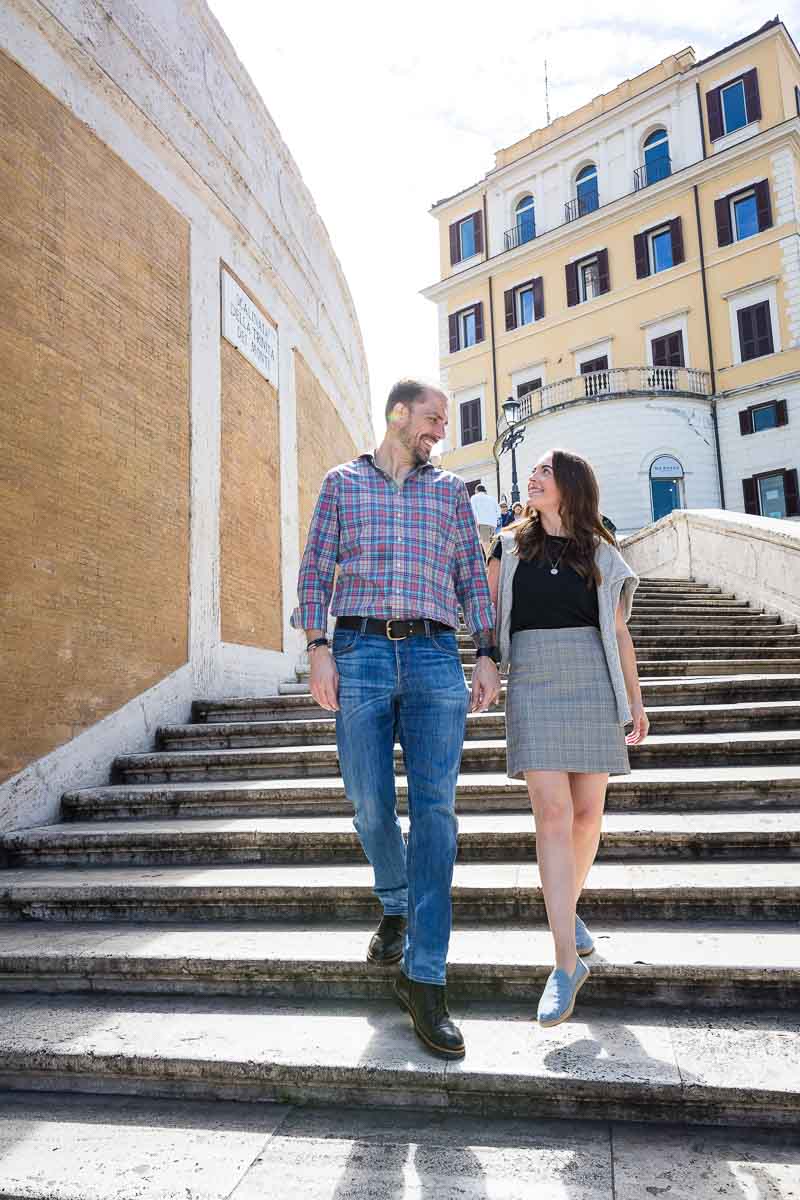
x: 389, y: 633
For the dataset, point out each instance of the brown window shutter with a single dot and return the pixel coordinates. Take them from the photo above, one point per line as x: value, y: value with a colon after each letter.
x: 571, y: 271
x: 479, y: 322
x: 453, y: 323
x: 714, y: 110
x: 752, y: 99
x: 538, y: 298
x: 602, y: 270
x: 675, y: 350
x: 676, y: 229
x: 641, y: 256
x: 763, y: 204
x: 455, y: 245
x: 781, y: 413
x: 790, y: 493
x: 511, y: 309
x: 747, y: 333
x: 746, y: 421
x: 750, y: 491
x: 722, y: 211
x: 477, y: 217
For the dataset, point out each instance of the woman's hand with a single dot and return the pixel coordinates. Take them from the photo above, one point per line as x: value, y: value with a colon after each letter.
x: 641, y: 725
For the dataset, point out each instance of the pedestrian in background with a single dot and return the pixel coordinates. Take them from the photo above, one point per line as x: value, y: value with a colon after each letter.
x: 563, y: 595
x: 506, y: 517
x: 487, y: 515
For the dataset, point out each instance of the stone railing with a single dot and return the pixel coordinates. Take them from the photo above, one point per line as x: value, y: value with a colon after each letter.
x: 617, y: 381
x: 755, y: 558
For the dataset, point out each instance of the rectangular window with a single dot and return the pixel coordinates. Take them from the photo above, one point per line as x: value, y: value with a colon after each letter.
x: 772, y: 495
x: 589, y: 275
x: 596, y: 372
x: 660, y: 250
x: 734, y: 107
x: 530, y: 385
x: 466, y: 233
x: 465, y: 327
x: 744, y: 215
x: 765, y: 417
x: 755, y: 331
x: 668, y: 350
x: 471, y: 422
x: 525, y: 306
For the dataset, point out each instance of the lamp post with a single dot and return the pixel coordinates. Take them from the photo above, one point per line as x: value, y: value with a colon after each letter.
x: 512, y: 438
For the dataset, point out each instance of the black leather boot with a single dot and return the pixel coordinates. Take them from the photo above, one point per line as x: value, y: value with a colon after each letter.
x: 387, y: 940
x: 427, y: 1004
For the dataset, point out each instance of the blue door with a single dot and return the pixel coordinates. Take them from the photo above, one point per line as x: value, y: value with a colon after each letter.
x: 666, y: 496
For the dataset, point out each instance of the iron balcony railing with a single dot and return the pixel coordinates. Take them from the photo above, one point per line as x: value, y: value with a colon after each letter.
x: 523, y: 231
x: 579, y: 206
x: 647, y: 173
x: 617, y: 381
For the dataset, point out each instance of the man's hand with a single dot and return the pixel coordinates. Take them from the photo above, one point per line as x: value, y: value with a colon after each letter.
x: 324, y: 678
x: 485, y: 684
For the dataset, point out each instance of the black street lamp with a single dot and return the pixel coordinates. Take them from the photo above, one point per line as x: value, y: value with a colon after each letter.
x: 512, y: 439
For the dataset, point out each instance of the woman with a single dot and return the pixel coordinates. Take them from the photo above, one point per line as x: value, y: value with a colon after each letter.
x: 563, y: 595
x: 516, y: 511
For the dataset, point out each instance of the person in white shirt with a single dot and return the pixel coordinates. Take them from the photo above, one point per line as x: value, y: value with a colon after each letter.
x: 487, y: 515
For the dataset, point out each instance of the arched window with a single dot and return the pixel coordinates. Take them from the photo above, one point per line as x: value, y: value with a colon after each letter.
x: 526, y: 220
x: 656, y: 156
x: 586, y: 187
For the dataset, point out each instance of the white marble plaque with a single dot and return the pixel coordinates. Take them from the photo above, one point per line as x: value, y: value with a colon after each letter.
x: 244, y: 326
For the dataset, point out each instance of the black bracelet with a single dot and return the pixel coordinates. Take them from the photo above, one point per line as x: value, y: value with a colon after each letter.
x: 320, y: 641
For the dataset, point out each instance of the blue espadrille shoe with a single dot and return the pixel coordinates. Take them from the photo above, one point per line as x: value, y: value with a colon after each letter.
x: 558, y: 997
x: 584, y: 942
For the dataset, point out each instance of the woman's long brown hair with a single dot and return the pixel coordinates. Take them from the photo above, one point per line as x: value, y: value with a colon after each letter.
x: 580, y: 516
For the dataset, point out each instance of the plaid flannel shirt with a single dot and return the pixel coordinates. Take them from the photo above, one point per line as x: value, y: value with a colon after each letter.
x: 403, y: 552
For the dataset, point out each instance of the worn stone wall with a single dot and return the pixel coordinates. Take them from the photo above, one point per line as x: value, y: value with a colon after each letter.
x: 250, y: 513
x: 323, y: 438
x: 94, y: 412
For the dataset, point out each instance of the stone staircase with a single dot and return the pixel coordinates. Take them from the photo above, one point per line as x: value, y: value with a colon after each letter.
x: 198, y: 927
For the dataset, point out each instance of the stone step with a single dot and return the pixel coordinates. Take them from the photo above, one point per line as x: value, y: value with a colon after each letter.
x: 772, y: 714
x: 717, y: 789
x: 705, y: 965
x: 486, y: 892
x: 482, y: 838
x: 270, y: 762
x: 704, y: 625
x: 711, y: 604
x: 199, y: 1150
x: 661, y: 1066
x: 733, y: 690
x: 699, y: 645
x: 660, y: 665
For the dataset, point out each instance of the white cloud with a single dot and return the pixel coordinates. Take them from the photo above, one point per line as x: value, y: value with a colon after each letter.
x: 387, y: 109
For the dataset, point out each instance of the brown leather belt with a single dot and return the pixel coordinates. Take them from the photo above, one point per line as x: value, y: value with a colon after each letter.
x: 394, y: 629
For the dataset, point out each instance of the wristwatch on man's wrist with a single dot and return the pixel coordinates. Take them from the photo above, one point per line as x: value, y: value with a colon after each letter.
x: 488, y: 652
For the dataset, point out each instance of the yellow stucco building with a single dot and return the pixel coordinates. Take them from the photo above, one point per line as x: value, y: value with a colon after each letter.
x: 631, y: 275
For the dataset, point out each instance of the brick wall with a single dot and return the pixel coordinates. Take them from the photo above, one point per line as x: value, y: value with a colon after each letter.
x: 94, y: 412
x: 250, y: 513
x: 323, y: 440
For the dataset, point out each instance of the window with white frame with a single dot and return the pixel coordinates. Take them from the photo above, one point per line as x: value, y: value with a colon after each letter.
x: 589, y: 278
x: 734, y: 106
x: 470, y: 420
x: 659, y: 247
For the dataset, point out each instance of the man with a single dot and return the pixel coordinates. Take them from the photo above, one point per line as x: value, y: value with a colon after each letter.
x: 405, y: 541
x: 506, y: 517
x: 487, y: 515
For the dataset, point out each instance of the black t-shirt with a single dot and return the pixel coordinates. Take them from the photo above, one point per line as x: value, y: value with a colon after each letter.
x: 542, y: 600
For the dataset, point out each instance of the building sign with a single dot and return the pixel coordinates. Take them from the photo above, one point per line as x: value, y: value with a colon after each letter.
x: 245, y: 327
x: 666, y: 467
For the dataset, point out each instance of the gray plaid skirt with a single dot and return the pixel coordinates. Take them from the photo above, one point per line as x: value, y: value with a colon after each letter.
x: 561, y: 714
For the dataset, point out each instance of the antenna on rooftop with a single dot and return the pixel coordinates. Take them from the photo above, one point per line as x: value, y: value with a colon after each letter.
x: 546, y: 93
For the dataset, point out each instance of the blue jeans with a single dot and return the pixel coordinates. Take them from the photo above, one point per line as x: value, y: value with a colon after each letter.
x: 413, y: 690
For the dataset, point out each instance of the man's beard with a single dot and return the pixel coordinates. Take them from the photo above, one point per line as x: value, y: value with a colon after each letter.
x: 415, y: 450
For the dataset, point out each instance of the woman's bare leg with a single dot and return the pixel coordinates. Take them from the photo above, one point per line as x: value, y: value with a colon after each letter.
x: 551, y: 801
x: 588, y: 800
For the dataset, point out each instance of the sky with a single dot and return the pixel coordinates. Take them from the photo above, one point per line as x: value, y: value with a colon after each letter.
x: 388, y: 108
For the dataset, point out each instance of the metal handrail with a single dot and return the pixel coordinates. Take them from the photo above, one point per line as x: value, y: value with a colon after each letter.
x: 647, y: 173
x: 521, y: 233
x: 579, y: 206
x: 617, y: 381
